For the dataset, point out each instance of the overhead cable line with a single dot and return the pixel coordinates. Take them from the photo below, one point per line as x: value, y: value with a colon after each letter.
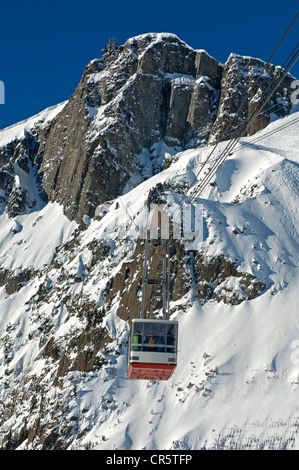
x: 230, y: 146
x: 288, y: 64
x: 243, y: 102
x: 244, y: 144
x: 197, y: 165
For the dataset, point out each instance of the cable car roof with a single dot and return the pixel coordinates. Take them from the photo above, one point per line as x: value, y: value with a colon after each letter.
x: 153, y: 320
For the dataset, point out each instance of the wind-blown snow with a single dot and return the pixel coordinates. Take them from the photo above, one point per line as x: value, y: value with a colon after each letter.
x: 16, y: 131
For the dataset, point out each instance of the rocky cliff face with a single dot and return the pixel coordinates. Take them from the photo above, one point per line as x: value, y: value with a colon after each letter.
x: 153, y: 95
x: 145, y: 96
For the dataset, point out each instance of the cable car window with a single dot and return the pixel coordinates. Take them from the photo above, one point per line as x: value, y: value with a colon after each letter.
x: 171, y: 338
x: 154, y: 337
x: 137, y: 337
x: 151, y: 332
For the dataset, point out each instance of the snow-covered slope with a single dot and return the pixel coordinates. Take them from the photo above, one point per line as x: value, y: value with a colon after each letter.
x: 236, y: 383
x: 29, y: 241
x: 17, y: 131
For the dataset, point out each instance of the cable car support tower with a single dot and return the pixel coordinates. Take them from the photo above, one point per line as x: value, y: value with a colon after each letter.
x: 152, y: 348
x: 165, y: 277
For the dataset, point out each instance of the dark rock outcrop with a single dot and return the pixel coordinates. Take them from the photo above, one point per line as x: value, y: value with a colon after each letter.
x: 245, y: 87
x: 20, y: 183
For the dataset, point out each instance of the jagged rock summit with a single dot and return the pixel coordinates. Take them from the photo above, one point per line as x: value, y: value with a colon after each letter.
x: 132, y: 110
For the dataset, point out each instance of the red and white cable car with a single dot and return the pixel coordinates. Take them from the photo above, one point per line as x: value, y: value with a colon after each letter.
x: 152, y: 349
x: 153, y: 343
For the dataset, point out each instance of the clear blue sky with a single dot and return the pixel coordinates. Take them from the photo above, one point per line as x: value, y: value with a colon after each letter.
x: 46, y: 44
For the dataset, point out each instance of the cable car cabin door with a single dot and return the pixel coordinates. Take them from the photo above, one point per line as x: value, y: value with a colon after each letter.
x: 152, y: 349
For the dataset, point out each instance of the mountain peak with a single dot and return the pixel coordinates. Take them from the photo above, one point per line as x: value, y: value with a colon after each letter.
x: 154, y: 92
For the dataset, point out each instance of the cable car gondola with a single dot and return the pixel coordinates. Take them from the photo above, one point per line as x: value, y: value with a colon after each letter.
x: 152, y: 349
x: 152, y: 345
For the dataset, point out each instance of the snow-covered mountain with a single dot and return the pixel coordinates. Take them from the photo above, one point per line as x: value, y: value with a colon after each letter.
x: 69, y: 290
x: 154, y: 95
